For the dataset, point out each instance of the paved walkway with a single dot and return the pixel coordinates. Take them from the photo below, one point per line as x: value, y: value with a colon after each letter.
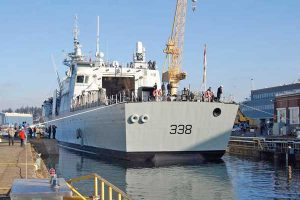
x: 13, y: 165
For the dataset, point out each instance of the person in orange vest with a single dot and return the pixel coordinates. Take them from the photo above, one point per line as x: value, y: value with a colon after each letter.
x: 22, y: 136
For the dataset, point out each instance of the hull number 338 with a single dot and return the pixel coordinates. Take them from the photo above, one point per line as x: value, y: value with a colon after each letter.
x: 181, y: 129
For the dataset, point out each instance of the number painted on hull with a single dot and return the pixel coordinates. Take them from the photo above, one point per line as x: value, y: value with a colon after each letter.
x: 181, y: 129
x: 173, y: 129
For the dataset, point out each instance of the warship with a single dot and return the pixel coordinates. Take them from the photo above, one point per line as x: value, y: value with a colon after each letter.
x: 132, y: 112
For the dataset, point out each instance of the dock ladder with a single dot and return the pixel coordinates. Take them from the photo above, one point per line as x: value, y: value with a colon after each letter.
x: 106, y: 188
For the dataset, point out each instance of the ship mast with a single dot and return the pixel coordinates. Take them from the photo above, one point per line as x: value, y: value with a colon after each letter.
x: 77, y: 55
x: 98, y: 41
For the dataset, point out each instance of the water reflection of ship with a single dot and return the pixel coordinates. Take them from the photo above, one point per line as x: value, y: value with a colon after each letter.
x: 172, y: 181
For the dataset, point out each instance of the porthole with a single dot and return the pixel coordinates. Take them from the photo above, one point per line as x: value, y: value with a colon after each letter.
x: 217, y: 112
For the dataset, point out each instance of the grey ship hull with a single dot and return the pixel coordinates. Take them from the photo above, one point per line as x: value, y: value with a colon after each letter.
x: 173, y: 130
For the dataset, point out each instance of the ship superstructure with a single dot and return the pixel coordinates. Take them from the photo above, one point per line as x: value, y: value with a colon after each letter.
x: 99, y: 81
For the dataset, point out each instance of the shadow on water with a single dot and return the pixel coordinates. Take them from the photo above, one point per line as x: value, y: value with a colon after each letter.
x: 167, y: 180
x: 53, y: 160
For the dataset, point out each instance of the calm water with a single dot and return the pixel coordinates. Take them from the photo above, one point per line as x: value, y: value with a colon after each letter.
x: 235, y: 178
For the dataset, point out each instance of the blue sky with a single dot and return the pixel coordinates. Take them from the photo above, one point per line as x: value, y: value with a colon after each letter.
x: 245, y: 39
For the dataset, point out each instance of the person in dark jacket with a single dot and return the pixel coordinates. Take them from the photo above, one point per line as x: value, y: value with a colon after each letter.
x: 30, y: 132
x: 219, y: 93
x: 53, y: 131
x: 49, y: 131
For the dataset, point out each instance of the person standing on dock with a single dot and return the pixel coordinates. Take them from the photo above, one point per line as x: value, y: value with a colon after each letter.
x: 34, y: 132
x: 22, y: 136
x: 11, y: 136
x: 30, y: 131
x: 53, y: 128
x: 49, y: 131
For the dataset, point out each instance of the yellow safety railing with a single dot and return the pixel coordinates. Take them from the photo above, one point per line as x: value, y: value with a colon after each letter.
x: 104, y: 184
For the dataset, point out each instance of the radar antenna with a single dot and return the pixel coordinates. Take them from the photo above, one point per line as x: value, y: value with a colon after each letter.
x: 77, y: 55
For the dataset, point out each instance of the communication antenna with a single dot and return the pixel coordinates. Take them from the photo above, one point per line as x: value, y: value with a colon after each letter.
x: 98, y: 40
x: 252, y: 84
x: 75, y: 29
x: 194, y: 5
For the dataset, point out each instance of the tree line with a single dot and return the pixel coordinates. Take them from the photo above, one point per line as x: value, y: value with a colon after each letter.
x: 35, y: 111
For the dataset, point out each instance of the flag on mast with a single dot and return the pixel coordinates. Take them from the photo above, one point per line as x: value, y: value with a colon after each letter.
x: 204, y: 69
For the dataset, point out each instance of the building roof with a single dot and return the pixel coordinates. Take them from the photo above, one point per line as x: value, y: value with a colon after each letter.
x: 292, y: 86
x: 17, y: 115
x: 289, y: 93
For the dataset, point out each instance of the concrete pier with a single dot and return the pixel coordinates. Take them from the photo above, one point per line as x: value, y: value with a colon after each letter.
x: 46, y: 147
x: 278, y: 149
x: 17, y: 162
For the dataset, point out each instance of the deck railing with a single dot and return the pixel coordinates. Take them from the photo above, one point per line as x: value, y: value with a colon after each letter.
x: 279, y: 145
x: 97, y: 98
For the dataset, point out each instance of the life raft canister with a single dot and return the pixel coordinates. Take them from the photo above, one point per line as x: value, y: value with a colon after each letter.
x: 157, y: 93
x: 207, y: 94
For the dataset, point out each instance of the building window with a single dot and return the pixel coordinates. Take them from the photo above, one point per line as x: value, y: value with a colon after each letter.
x: 79, y: 79
x: 281, y: 115
x: 294, y: 115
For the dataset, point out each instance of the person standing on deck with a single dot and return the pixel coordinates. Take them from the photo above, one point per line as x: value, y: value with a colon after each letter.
x: 208, y: 95
x: 155, y: 86
x: 219, y: 93
x: 169, y: 89
x: 163, y: 89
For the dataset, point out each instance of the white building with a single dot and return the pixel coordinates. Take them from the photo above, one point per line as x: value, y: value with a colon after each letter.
x: 15, y: 118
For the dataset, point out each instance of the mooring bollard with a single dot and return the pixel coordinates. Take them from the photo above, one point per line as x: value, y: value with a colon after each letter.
x: 287, y: 156
x: 289, y: 172
x: 53, y: 178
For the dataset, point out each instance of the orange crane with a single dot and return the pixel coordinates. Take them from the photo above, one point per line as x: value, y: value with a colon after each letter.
x: 174, y: 47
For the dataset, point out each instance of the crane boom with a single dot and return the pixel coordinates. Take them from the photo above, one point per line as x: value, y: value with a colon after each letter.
x: 174, y: 48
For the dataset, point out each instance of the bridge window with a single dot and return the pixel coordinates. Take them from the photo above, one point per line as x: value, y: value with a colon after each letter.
x: 79, y: 79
